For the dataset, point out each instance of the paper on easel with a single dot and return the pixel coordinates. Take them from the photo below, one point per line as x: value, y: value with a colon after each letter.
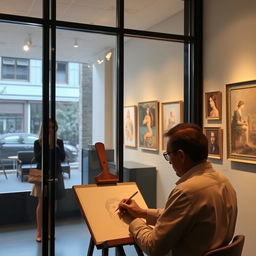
x: 99, y: 203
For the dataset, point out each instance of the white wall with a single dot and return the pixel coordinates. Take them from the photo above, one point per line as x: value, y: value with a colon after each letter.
x: 154, y: 71
x: 98, y: 103
x: 102, y: 100
x: 230, y: 57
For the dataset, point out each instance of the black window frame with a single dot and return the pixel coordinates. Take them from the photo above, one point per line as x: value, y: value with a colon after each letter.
x: 192, y: 40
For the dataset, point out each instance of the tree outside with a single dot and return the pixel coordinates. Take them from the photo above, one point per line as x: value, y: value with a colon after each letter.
x: 67, y: 116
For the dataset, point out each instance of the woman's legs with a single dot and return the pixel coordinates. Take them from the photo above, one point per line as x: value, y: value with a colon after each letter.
x: 39, y: 219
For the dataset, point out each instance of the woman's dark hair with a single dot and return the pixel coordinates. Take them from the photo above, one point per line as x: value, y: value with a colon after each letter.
x: 55, y: 123
x: 213, y: 98
x: 189, y: 138
x: 240, y: 103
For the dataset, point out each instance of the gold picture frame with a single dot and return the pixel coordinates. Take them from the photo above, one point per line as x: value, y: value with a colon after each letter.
x: 171, y: 115
x: 241, y: 121
x: 148, y: 113
x: 214, y: 136
x: 130, y: 126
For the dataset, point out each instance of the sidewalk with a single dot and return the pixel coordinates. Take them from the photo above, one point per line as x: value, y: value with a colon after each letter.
x: 14, y: 184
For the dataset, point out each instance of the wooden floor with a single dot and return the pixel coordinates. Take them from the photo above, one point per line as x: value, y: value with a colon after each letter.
x: 72, y: 239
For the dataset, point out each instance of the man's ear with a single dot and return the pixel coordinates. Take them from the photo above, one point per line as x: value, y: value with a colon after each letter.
x: 181, y: 154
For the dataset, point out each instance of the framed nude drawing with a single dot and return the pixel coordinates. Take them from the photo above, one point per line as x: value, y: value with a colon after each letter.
x: 241, y: 122
x: 130, y: 126
x: 215, y: 142
x: 213, y: 105
x: 172, y: 114
x: 148, y: 125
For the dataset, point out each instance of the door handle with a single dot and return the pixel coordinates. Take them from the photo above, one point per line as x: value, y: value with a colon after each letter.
x: 52, y: 180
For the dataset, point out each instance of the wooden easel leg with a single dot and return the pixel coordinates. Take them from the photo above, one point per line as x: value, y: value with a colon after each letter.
x: 120, y: 251
x: 138, y: 250
x: 105, y: 252
x: 90, y: 249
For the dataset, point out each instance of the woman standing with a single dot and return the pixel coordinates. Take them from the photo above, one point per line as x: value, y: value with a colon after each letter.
x: 58, y: 146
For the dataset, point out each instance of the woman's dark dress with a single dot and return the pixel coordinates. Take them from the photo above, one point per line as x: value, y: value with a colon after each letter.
x: 60, y: 157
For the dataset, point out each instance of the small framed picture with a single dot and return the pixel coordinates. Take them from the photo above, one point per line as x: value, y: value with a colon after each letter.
x: 215, y: 142
x: 130, y: 126
x: 213, y: 105
x: 148, y: 125
x: 172, y: 114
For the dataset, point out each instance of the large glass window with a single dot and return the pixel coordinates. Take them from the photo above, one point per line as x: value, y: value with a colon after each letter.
x: 15, y: 69
x: 86, y: 107
x: 21, y: 91
x: 149, y: 66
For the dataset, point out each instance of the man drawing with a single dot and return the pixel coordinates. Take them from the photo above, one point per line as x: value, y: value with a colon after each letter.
x: 200, y: 213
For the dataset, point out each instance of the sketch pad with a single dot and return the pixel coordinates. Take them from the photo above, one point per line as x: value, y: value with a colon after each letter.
x: 98, y: 205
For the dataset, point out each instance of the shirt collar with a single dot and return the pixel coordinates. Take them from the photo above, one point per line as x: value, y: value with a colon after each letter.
x: 195, y: 170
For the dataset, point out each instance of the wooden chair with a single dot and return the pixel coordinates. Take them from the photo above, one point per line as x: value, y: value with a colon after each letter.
x: 66, y: 167
x: 25, y: 162
x: 233, y: 249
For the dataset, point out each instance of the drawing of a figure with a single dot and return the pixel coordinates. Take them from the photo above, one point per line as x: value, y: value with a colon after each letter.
x: 148, y: 121
x: 239, y: 128
x: 214, y: 112
x: 129, y: 127
x: 111, y: 205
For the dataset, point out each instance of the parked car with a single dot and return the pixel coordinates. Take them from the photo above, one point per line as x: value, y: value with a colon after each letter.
x: 11, y: 143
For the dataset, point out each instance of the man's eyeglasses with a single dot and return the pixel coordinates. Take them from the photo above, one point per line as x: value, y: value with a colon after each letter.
x: 166, y: 156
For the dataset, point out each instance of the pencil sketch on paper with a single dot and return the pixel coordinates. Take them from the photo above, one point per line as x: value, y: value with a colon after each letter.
x: 98, y: 204
x: 111, y: 205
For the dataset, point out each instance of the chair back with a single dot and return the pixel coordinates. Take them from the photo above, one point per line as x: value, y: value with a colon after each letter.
x: 25, y: 156
x: 233, y: 249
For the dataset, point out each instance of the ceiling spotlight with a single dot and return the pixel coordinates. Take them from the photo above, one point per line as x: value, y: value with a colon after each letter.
x: 75, y: 43
x: 108, y: 56
x: 27, y: 44
x: 100, y: 61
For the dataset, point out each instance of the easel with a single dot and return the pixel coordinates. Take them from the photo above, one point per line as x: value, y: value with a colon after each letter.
x: 107, y: 178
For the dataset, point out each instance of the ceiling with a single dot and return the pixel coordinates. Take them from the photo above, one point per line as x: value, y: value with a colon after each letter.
x: 139, y: 14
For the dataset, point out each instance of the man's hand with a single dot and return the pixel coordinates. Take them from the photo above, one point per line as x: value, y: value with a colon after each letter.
x: 132, y: 208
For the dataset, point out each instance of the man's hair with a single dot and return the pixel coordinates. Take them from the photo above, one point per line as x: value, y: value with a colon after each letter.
x: 189, y: 138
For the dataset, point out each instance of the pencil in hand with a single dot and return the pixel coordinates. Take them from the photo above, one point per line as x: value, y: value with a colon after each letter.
x: 127, y: 200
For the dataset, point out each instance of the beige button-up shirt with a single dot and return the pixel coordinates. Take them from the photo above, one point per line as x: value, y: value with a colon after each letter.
x: 200, y: 214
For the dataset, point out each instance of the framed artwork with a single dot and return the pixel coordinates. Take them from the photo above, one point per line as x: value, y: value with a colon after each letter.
x: 172, y: 114
x: 130, y: 126
x: 241, y: 122
x: 215, y: 142
x: 148, y: 125
x: 213, y: 105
